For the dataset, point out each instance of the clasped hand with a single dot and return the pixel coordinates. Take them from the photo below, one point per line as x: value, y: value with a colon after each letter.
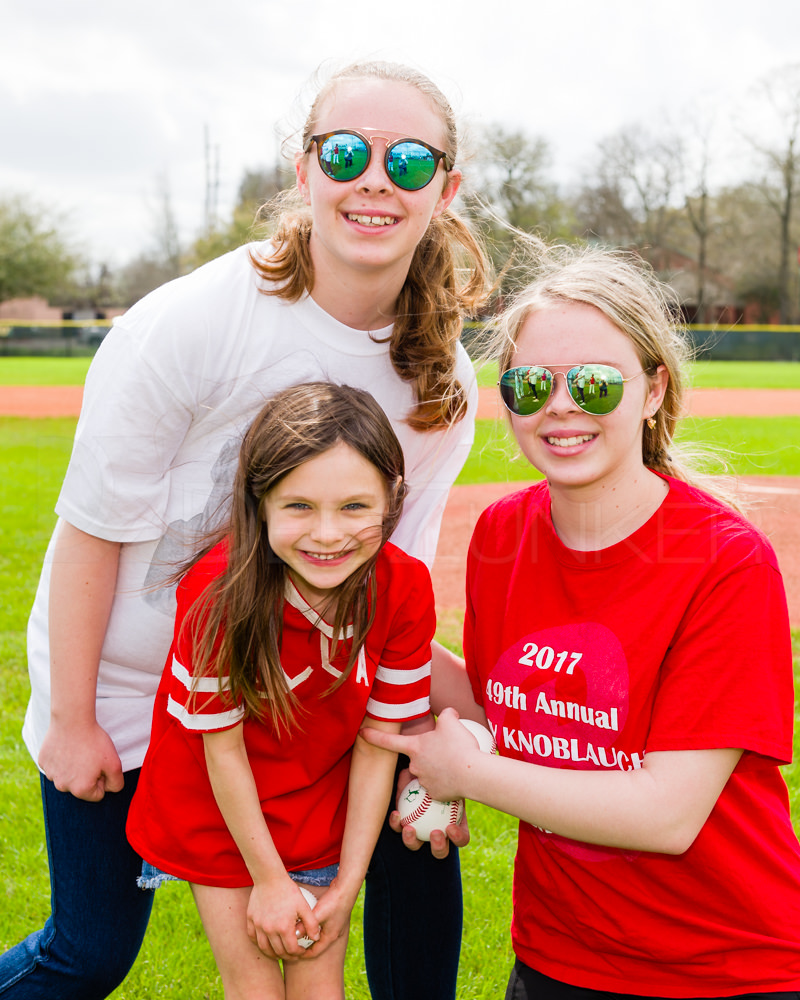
x: 81, y: 760
x: 276, y: 918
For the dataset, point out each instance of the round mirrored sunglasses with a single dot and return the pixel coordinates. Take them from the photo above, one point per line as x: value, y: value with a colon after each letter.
x: 596, y: 388
x: 409, y: 163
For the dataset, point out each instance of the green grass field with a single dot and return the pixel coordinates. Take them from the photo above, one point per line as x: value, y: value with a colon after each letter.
x: 175, y: 961
x: 43, y: 371
x: 750, y: 446
x: 704, y: 374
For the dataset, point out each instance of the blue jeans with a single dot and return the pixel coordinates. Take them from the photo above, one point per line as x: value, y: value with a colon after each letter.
x: 413, y: 914
x: 98, y: 914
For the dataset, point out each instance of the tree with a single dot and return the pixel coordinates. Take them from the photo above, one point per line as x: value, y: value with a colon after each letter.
x: 509, y: 191
x: 165, y: 260
x: 511, y: 183
x: 165, y: 230
x: 35, y: 258
x: 743, y: 246
x: 696, y: 155
x: 779, y: 95
x: 633, y: 197
x: 257, y: 187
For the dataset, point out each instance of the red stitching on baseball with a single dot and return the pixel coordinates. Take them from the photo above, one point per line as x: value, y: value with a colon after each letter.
x: 419, y: 811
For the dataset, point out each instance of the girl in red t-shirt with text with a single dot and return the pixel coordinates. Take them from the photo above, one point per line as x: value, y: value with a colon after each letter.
x: 627, y: 634
x: 298, y: 624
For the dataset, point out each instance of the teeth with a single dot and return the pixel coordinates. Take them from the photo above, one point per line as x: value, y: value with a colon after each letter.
x: 371, y: 220
x: 569, y: 442
x: 325, y: 556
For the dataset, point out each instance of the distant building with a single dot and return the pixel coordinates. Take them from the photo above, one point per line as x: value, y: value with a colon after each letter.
x: 31, y: 326
x: 721, y: 305
x: 34, y: 310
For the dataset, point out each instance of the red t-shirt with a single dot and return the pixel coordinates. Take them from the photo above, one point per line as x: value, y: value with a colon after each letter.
x: 676, y: 638
x: 302, y: 777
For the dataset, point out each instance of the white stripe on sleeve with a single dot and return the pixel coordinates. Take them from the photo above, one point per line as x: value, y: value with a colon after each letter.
x: 390, y: 713
x: 199, y: 722
x: 390, y: 676
x: 204, y: 685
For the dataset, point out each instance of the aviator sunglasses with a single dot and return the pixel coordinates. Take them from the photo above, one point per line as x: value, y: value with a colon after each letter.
x: 409, y: 163
x: 597, y: 389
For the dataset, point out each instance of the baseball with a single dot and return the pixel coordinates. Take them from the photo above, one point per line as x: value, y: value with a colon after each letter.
x: 418, y: 809
x: 482, y: 735
x: 425, y: 814
x: 311, y: 899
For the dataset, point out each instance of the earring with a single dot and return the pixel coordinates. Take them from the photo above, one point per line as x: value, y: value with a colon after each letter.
x: 651, y: 423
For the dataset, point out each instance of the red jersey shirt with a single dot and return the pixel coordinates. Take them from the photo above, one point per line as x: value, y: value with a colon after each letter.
x: 302, y: 776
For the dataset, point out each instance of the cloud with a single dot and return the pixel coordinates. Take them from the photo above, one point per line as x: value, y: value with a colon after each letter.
x: 97, y: 102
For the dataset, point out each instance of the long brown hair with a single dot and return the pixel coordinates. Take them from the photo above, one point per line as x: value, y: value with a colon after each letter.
x: 237, y: 622
x: 450, y: 275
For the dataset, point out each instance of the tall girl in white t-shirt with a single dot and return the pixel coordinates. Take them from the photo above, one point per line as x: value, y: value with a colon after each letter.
x: 365, y: 282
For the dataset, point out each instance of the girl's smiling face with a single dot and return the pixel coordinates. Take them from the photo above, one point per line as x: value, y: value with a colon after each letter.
x: 368, y: 222
x: 325, y: 518
x: 574, y: 449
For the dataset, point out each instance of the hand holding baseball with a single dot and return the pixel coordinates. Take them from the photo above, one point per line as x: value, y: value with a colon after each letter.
x: 272, y: 913
x: 439, y: 758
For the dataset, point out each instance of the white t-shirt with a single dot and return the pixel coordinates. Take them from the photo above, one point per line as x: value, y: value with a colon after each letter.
x: 168, y: 397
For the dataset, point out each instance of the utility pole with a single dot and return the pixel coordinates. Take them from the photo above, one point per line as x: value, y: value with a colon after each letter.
x: 212, y: 182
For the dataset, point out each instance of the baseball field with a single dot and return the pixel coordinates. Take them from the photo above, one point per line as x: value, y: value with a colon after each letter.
x: 749, y: 412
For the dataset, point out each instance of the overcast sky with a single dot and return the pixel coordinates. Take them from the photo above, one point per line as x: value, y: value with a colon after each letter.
x: 100, y: 102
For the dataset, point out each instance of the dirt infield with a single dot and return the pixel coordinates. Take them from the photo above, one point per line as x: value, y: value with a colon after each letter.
x: 776, y: 508
x: 65, y: 401
x: 40, y: 400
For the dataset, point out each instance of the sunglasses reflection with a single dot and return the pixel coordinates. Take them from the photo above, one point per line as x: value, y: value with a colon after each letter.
x: 596, y: 388
x: 409, y: 163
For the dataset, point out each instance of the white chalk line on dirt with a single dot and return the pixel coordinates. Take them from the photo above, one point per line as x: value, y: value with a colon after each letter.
x: 753, y: 488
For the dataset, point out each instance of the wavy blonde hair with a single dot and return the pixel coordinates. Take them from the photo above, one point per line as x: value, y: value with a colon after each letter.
x: 450, y: 275
x: 624, y: 288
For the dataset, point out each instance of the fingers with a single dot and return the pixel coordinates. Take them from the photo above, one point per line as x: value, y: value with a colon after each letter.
x: 82, y: 790
x: 114, y: 781
x: 459, y: 834
x: 410, y: 838
x: 84, y: 763
x: 308, y: 928
x: 278, y: 945
x: 388, y: 741
x: 394, y: 821
x: 440, y: 845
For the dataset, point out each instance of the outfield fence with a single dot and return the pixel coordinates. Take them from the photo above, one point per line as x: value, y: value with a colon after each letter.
x: 76, y: 337
x: 52, y: 338
x: 711, y: 343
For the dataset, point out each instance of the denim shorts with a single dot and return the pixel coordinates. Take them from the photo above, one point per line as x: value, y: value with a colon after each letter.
x: 316, y: 876
x: 153, y: 878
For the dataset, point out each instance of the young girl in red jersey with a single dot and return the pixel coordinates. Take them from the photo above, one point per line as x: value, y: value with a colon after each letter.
x: 295, y: 626
x: 627, y: 635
